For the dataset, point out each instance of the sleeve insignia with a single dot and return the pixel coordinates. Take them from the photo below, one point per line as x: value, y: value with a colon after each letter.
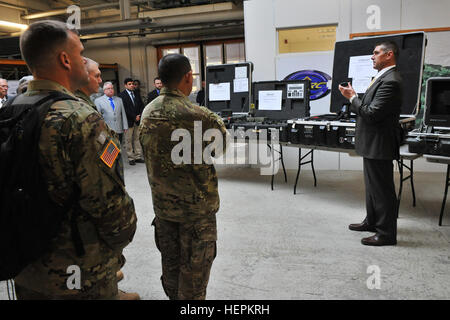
x: 110, y: 154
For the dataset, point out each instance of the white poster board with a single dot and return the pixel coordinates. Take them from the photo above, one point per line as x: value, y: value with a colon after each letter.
x: 219, y: 91
x: 270, y: 100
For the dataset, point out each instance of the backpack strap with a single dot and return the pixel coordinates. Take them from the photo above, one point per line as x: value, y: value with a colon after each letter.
x: 75, y: 231
x: 43, y: 102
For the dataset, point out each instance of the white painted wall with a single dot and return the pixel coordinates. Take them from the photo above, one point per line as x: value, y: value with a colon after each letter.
x: 264, y: 17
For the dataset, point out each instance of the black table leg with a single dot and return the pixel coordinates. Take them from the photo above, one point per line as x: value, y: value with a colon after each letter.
x: 273, y: 164
x: 445, y: 195
x: 412, y: 182
x: 400, y: 170
x: 299, y: 167
x: 312, y: 167
x: 282, y: 163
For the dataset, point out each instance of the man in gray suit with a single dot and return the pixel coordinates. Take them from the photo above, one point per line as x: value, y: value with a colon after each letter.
x: 378, y: 141
x: 112, y: 110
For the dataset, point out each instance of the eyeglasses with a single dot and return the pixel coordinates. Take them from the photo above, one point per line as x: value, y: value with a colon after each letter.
x: 4, y: 86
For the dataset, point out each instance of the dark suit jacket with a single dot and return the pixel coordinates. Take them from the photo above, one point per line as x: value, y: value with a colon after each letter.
x: 201, y: 97
x: 132, y: 110
x: 152, y: 96
x: 137, y: 94
x: 377, y: 122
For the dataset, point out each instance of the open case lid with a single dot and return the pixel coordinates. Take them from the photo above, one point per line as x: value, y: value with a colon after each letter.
x: 282, y: 100
x: 229, y: 87
x: 437, y: 102
x: 410, y: 65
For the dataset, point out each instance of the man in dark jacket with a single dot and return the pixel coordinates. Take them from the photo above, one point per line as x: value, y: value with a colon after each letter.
x: 155, y: 93
x: 378, y: 142
x: 133, y: 109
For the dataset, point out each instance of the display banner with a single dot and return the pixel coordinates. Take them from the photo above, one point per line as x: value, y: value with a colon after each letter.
x: 315, y: 66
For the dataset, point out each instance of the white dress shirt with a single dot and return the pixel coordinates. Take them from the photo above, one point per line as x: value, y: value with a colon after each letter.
x: 131, y: 94
x: 2, y: 101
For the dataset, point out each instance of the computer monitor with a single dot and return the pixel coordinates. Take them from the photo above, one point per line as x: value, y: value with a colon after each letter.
x: 437, y: 102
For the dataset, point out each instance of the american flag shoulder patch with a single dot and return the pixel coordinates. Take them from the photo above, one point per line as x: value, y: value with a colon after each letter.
x: 110, y: 154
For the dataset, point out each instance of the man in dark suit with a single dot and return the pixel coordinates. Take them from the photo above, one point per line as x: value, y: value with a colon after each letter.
x: 137, y: 91
x: 155, y: 93
x: 201, y: 95
x: 378, y: 141
x: 133, y: 109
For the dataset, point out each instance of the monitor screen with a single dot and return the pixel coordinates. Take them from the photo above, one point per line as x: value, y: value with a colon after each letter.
x: 437, y: 103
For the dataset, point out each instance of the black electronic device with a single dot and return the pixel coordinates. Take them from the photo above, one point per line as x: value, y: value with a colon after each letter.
x: 294, y: 101
x: 437, y: 102
x: 229, y: 88
x: 275, y: 102
x: 434, y: 138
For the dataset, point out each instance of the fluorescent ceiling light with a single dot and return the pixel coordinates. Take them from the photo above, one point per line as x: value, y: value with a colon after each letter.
x: 13, y: 25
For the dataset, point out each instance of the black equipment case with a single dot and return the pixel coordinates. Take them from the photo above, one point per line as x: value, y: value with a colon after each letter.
x: 434, y: 138
x: 237, y: 80
x: 338, y: 128
x: 295, y: 95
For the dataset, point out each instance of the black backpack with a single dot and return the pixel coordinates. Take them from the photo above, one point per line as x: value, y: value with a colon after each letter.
x: 28, y: 218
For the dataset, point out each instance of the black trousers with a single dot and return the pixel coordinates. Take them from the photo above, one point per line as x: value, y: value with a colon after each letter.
x: 381, y: 199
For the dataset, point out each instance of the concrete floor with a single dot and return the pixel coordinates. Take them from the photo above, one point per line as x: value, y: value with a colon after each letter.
x: 277, y: 245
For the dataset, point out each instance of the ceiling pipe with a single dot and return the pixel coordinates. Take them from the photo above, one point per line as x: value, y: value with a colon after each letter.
x: 166, y: 30
x: 12, y: 6
x: 192, y: 39
x: 45, y: 14
x: 117, y: 26
x: 112, y: 5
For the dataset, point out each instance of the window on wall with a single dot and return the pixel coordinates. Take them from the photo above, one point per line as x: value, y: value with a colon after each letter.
x: 207, y: 54
x: 213, y: 54
x: 165, y: 52
x: 193, y: 54
x: 234, y: 52
x: 307, y: 39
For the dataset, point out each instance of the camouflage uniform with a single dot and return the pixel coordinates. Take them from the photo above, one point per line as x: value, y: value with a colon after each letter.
x: 72, y: 140
x: 185, y: 196
x: 80, y: 94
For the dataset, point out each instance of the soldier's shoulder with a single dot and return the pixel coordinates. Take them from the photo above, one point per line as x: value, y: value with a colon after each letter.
x: 71, y: 113
x: 156, y: 106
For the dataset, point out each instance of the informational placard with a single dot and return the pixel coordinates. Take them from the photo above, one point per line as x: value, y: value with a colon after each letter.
x: 240, y: 85
x: 360, y: 85
x: 295, y: 91
x: 270, y: 100
x: 219, y: 91
x: 240, y: 72
x: 361, y: 67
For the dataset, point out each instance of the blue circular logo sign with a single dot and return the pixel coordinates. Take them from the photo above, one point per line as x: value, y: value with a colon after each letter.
x: 319, y: 82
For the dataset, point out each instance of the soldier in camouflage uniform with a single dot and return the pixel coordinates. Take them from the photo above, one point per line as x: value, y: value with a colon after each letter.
x: 73, y: 141
x: 84, y: 94
x: 94, y: 82
x: 185, y: 196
